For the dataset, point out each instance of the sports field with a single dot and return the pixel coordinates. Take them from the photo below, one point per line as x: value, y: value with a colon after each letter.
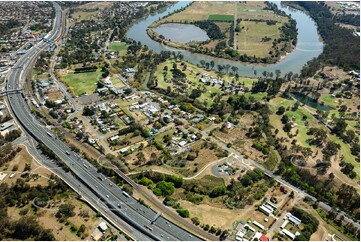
x: 117, y: 46
x: 81, y: 83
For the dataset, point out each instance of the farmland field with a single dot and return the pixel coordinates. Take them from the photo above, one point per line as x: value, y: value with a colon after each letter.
x: 220, y: 17
x: 250, y: 38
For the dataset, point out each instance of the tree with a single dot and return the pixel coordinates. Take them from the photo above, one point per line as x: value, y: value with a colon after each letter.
x: 234, y: 69
x: 319, y: 136
x: 195, y: 93
x: 339, y: 127
x: 246, y: 180
x: 65, y: 211
x: 195, y: 220
x: 166, y: 188
x: 218, y: 191
x: 278, y: 73
x: 212, y: 64
x: 227, y: 67
x: 331, y: 149
x: 183, y: 212
x: 82, y: 228
x: 350, y: 136
x: 281, y: 110
x: 88, y: 111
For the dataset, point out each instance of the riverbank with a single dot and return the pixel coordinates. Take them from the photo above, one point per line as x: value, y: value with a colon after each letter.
x: 263, y: 37
x: 195, y: 47
x: 294, y: 61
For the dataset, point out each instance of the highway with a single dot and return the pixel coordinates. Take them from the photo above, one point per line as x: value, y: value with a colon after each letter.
x: 146, y: 224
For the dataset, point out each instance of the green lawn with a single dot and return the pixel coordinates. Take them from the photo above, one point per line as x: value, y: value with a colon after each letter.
x: 297, y: 116
x: 117, y: 46
x: 117, y: 82
x: 82, y: 83
x: 257, y: 96
x: 328, y: 100
x: 220, y: 17
x: 346, y: 152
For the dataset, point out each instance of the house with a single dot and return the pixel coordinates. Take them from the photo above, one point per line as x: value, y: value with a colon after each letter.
x: 258, y: 225
x: 102, y: 226
x: 260, y: 237
x: 129, y: 70
x: 271, y: 204
x: 6, y: 125
x: 107, y: 82
x: 354, y: 74
x: 116, y: 91
x: 284, y: 224
x: 265, y: 210
x: 296, y: 221
x: 264, y: 238
x: 91, y: 141
x: 127, y: 120
x: 123, y: 150
x: 115, y: 137
x: 96, y: 234
x: 102, y: 90
x: 228, y: 125
x: 288, y: 233
x: 44, y: 83
x: 182, y: 143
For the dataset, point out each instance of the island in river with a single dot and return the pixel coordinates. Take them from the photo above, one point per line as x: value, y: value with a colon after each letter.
x: 254, y: 32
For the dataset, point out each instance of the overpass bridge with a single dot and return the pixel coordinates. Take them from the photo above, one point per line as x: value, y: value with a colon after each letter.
x: 14, y: 91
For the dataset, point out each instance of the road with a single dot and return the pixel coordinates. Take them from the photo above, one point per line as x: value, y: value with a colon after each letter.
x: 279, y: 179
x: 136, y: 219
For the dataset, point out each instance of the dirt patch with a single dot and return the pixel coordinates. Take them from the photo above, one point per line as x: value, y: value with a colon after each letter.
x: 54, y: 96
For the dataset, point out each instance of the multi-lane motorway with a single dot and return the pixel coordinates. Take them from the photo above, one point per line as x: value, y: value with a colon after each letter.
x: 146, y: 224
x: 123, y: 210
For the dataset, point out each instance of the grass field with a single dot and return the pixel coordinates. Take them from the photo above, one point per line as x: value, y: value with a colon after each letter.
x: 82, y: 83
x: 249, y: 39
x: 117, y: 46
x: 220, y: 17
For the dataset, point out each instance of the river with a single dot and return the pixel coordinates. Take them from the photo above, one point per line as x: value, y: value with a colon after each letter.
x: 308, y: 45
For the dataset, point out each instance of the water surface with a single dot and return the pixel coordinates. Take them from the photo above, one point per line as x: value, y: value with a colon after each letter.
x: 311, y: 102
x: 181, y: 33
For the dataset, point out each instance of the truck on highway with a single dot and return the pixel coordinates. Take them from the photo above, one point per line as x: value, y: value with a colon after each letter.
x: 126, y: 194
x: 49, y: 134
x: 148, y: 227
